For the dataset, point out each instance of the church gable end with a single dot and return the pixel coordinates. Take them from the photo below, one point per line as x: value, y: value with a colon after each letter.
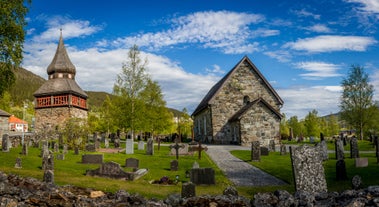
x: 243, y: 84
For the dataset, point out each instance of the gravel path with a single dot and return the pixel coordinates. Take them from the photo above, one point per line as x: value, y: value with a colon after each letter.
x: 238, y: 171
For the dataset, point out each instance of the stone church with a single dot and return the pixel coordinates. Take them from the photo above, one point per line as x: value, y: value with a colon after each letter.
x: 242, y: 107
x: 60, y: 97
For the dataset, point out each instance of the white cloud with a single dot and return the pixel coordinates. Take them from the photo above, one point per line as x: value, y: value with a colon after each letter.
x: 320, y: 28
x: 367, y: 6
x: 299, y: 101
x: 70, y: 27
x: 330, y: 43
x: 230, y: 35
x: 318, y: 70
x: 280, y: 55
x: 305, y: 13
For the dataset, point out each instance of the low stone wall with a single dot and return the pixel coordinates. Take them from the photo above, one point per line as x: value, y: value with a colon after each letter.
x: 17, y: 191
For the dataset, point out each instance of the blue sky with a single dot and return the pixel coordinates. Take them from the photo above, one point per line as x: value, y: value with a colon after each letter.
x: 303, y: 48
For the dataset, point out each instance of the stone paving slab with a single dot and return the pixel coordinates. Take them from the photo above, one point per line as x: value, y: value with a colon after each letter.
x: 238, y: 171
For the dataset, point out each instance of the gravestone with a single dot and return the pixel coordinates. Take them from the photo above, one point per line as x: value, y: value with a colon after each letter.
x: 106, y: 142
x: 195, y: 165
x: 339, y: 150
x: 76, y: 150
x: 307, y: 168
x: 176, y: 147
x: 129, y: 146
x: 376, y: 149
x: 174, y: 165
x: 65, y: 149
x: 48, y: 176
x: 159, y: 144
x: 283, y: 149
x: 5, y: 143
x: 48, y: 162
x: 272, y: 145
x: 150, y: 147
x: 311, y: 140
x: 56, y: 147
x: 322, y: 137
x: 60, y: 156
x: 116, y: 142
x: 141, y: 145
x: 90, y: 148
x: 114, y: 170
x: 18, y: 163
x: 97, y: 143
x: 361, y: 162
x: 45, y: 151
x: 264, y: 151
x: 202, y: 176
x: 323, y: 148
x: 92, y: 158
x: 198, y: 148
x: 356, y: 182
x: 24, y: 149
x: 132, y: 162
x: 354, y: 151
x: 341, y: 170
x: 188, y: 190
x: 255, y: 151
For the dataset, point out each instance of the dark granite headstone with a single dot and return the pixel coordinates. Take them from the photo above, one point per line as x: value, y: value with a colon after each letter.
x: 354, y: 151
x: 90, y: 148
x: 255, y: 151
x: 92, y: 159
x: 5, y: 143
x: 132, y: 162
x: 76, y: 150
x: 308, y: 170
x: 339, y: 150
x: 48, y: 176
x: 114, y: 170
x: 174, y: 165
x: 264, y: 151
x: 188, y: 190
x: 150, y: 147
x: 341, y: 170
x: 200, y: 176
x: 356, y: 182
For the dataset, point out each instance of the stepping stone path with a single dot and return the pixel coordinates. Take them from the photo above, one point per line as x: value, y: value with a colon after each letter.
x: 238, y: 171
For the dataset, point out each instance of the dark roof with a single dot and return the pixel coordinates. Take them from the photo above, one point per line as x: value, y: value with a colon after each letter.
x: 4, y: 113
x: 61, y: 63
x: 204, y: 103
x: 243, y: 110
x: 60, y: 86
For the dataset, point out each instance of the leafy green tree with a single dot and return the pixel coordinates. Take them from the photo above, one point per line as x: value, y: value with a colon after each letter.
x: 185, y: 124
x: 357, y: 99
x: 5, y: 102
x: 12, y: 35
x: 129, y: 84
x: 156, y: 115
x: 295, y: 125
x: 312, y: 124
x: 284, y: 128
x: 75, y: 131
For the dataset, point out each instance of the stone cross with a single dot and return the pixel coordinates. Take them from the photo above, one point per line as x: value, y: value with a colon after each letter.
x: 199, y: 148
x: 176, y: 146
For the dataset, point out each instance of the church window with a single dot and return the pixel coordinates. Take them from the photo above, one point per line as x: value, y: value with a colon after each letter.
x: 205, y: 125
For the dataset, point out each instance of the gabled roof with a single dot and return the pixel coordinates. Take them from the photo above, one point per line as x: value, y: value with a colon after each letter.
x: 214, y: 90
x: 237, y: 116
x: 16, y: 120
x: 58, y: 86
x: 61, y: 63
x: 4, y: 113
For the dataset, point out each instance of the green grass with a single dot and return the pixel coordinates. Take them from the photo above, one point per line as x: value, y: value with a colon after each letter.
x: 71, y: 171
x: 280, y: 166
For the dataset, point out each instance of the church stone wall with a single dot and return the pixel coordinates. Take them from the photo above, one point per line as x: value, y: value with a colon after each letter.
x: 203, y: 126
x: 56, y: 116
x: 259, y: 124
x: 244, y: 84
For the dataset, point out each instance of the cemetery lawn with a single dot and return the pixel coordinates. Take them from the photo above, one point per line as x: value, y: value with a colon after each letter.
x: 280, y: 166
x: 71, y: 171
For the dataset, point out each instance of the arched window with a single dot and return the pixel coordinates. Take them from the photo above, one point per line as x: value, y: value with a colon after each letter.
x: 246, y: 100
